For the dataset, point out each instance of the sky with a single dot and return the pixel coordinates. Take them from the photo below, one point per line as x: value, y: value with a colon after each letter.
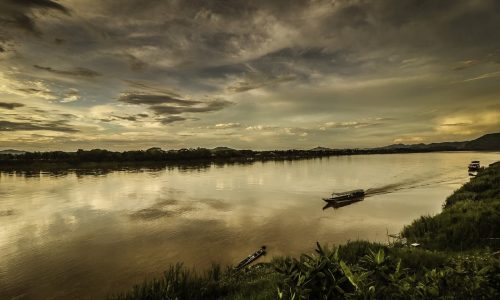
x: 259, y: 74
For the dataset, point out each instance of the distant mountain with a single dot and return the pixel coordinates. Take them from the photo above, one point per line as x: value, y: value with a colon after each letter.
x: 12, y: 151
x: 486, y: 142
x: 216, y: 149
x: 320, y: 149
x: 489, y: 142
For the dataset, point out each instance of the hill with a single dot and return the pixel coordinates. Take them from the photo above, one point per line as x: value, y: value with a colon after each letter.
x: 488, y: 142
x: 12, y: 151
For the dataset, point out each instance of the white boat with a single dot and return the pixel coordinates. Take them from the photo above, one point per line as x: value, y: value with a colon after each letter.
x: 474, y: 165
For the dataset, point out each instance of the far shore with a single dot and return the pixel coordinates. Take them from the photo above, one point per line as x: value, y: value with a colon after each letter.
x: 157, y: 159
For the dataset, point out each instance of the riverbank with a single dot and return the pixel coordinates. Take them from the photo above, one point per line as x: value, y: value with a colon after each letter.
x: 457, y: 258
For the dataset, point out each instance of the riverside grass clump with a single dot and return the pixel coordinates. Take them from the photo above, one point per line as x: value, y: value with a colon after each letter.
x: 179, y: 282
x: 457, y: 259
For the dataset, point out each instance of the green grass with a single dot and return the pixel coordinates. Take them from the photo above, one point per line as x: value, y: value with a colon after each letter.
x: 470, y: 218
x: 179, y: 282
x: 456, y: 261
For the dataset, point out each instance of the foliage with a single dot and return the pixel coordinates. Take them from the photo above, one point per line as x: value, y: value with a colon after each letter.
x: 378, y: 275
x: 317, y: 276
x: 179, y: 282
x: 470, y: 218
x: 157, y: 155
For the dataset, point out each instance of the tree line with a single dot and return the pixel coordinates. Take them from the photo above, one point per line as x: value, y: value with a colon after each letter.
x: 157, y: 154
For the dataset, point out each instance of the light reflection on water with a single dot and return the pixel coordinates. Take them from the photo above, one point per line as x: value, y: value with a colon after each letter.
x: 86, y: 233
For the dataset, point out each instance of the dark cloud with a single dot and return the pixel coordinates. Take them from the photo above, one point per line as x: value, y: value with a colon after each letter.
x: 18, y: 14
x: 47, y: 4
x: 60, y: 126
x: 455, y: 124
x: 255, y: 83
x: 203, y: 107
x: 138, y: 98
x: 37, y: 91
x: 10, y: 105
x: 140, y: 87
x: 135, y: 63
x: 131, y: 118
x: 172, y: 119
x: 127, y: 118
x: 80, y: 72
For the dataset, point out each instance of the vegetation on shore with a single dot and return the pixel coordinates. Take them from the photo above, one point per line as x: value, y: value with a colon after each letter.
x: 14, y: 160
x: 158, y: 156
x: 456, y: 260
x: 470, y: 218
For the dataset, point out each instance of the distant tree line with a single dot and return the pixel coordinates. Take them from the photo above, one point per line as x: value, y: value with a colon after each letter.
x: 158, y: 155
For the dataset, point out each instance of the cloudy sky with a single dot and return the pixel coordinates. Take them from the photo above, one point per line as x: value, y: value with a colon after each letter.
x: 246, y: 74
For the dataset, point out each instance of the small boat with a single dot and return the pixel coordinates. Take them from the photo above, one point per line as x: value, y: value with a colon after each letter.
x: 346, y: 197
x: 474, y: 165
x: 252, y: 257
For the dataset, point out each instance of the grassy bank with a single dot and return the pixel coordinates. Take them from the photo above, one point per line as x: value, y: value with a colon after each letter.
x: 470, y: 218
x: 457, y: 259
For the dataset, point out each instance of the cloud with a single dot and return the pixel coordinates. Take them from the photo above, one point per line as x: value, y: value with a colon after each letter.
x: 251, y: 84
x: 60, y: 126
x: 47, y: 4
x: 351, y: 124
x: 20, y: 14
x: 135, y: 63
x: 164, y: 102
x: 71, y: 95
x: 154, y: 99
x: 226, y: 125
x: 198, y: 107
x: 40, y: 90
x: 261, y: 127
x: 150, y: 87
x: 79, y: 72
x: 409, y: 139
x: 172, y: 119
x: 484, y: 76
x: 10, y: 105
x: 292, y: 64
x: 456, y: 124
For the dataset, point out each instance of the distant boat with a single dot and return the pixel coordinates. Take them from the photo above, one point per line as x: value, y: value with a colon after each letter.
x: 346, y: 197
x: 474, y: 165
x: 252, y: 257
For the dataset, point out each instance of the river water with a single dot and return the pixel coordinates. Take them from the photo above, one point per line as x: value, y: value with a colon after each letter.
x: 85, y: 234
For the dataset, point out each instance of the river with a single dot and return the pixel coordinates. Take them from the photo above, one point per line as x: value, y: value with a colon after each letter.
x: 85, y: 234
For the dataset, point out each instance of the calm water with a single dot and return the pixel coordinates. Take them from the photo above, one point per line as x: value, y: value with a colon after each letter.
x: 72, y: 235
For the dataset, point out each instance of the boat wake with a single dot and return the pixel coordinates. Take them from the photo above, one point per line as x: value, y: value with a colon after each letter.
x: 410, y: 184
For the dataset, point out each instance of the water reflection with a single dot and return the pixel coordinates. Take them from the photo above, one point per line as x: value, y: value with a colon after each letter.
x: 85, y: 233
x: 337, y: 205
